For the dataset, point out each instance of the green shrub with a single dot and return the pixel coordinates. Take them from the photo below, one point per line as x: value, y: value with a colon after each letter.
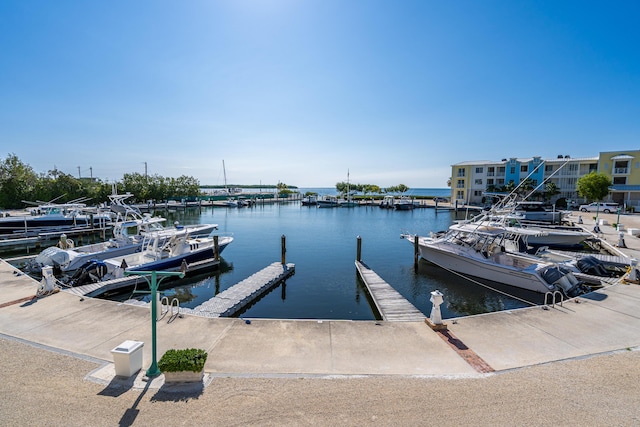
x: 190, y: 359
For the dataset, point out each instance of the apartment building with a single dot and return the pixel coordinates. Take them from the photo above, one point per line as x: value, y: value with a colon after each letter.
x: 470, y: 181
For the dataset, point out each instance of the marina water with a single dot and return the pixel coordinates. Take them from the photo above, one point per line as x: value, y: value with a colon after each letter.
x: 322, y: 244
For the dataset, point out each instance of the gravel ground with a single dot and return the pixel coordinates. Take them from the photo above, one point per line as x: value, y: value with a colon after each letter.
x: 40, y: 387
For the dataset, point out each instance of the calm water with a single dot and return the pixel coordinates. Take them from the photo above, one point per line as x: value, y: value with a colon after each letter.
x: 322, y: 245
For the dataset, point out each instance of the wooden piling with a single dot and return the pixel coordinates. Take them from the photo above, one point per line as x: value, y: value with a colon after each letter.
x: 284, y: 250
x: 216, y: 248
x: 416, y: 252
x: 359, y: 249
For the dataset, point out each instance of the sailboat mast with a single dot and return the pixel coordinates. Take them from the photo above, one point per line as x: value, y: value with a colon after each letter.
x: 224, y: 173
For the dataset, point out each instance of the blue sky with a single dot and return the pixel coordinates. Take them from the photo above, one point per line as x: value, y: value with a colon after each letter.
x: 301, y: 92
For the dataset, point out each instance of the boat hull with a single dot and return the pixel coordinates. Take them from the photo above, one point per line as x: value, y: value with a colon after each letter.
x: 559, y: 240
x: 483, y: 269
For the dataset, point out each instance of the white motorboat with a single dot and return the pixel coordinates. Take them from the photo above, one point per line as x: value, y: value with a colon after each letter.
x: 310, y: 200
x: 536, y: 211
x: 387, y: 202
x: 328, y: 202
x: 406, y: 203
x: 491, y: 253
x: 544, y: 234
x: 347, y: 203
x: 129, y: 231
x: 52, y: 218
x: 156, y: 256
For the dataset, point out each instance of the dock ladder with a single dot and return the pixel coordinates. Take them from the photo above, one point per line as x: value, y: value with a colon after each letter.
x: 166, y: 307
x: 553, y: 296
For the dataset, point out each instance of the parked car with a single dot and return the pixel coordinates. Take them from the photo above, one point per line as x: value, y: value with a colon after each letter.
x: 600, y: 207
x: 572, y: 204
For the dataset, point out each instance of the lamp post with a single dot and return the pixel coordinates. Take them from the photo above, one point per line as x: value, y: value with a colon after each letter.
x: 153, y: 370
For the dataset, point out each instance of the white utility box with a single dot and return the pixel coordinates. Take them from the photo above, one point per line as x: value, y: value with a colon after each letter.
x: 127, y: 358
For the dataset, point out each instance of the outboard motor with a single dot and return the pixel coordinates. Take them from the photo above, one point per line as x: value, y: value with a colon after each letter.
x: 91, y: 271
x: 565, y: 281
x: 593, y: 266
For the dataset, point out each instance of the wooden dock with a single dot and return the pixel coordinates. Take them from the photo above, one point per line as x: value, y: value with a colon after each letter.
x: 95, y: 289
x: 391, y: 305
x: 239, y: 296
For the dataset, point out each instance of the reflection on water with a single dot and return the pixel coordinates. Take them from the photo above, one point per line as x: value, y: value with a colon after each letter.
x: 469, y: 296
x: 322, y: 245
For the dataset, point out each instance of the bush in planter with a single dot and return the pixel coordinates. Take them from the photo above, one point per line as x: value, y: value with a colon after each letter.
x: 190, y: 359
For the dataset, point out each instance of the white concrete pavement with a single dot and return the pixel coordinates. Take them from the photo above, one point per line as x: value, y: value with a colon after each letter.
x: 601, y: 322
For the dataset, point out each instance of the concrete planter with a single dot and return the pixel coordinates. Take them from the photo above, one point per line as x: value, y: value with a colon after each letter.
x: 183, y: 377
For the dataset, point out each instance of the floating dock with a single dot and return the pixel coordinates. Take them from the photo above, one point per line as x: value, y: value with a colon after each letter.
x: 239, y: 296
x: 95, y: 289
x: 391, y: 305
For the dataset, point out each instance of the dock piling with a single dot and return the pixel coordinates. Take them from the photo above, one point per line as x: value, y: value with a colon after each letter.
x: 284, y: 250
x: 416, y: 252
x: 359, y: 249
x: 216, y: 248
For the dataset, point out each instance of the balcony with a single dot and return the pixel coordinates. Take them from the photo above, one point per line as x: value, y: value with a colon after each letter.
x: 621, y: 171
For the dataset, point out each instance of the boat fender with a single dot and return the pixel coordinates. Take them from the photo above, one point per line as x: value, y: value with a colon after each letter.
x: 65, y: 243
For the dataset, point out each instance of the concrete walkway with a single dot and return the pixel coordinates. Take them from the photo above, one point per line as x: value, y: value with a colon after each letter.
x: 601, y: 322
x: 57, y: 368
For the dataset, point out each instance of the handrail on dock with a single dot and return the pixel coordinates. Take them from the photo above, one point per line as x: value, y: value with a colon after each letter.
x: 553, y: 298
x: 169, y: 306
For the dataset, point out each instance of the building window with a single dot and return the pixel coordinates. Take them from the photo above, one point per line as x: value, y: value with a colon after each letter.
x: 460, y: 195
x: 512, y: 170
x: 621, y: 167
x: 460, y: 183
x: 620, y: 180
x: 479, y: 170
x: 478, y: 182
x: 501, y: 170
x: 477, y: 193
x: 524, y: 168
x: 460, y: 172
x: 489, y: 181
x: 548, y: 168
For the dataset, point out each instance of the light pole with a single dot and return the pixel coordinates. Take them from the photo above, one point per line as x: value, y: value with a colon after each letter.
x: 153, y: 370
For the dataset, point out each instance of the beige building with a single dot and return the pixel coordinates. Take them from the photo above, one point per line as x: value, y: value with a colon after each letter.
x: 471, y: 181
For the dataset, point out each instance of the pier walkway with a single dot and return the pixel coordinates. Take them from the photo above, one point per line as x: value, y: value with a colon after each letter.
x: 236, y: 298
x: 391, y: 305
